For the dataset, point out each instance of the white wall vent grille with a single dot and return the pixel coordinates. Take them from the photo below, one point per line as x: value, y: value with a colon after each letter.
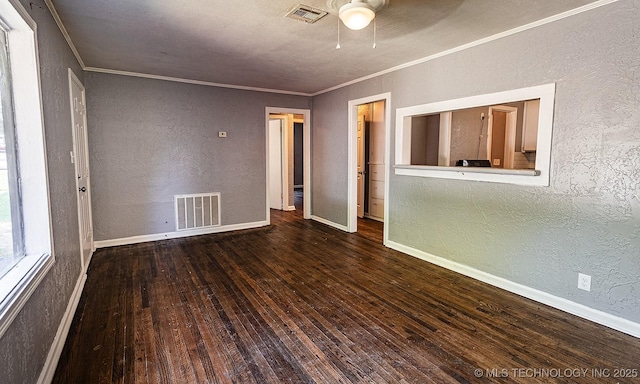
x: 197, y: 211
x: 306, y: 13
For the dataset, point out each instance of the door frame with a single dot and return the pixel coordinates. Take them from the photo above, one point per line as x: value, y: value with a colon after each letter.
x: 73, y: 79
x: 306, y: 143
x: 352, y: 160
x: 509, y: 136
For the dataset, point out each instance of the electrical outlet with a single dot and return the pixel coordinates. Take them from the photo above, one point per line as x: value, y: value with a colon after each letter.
x: 584, y: 282
x: 222, y: 134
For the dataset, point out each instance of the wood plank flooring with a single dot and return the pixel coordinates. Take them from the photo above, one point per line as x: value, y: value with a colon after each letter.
x: 301, y: 302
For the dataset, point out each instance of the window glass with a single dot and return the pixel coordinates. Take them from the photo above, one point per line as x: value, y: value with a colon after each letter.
x: 11, y: 250
x: 6, y: 232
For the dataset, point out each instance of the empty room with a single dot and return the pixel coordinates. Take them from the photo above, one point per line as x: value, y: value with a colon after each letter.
x: 328, y: 191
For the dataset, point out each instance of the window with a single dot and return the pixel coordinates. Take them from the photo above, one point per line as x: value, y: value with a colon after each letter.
x: 26, y: 251
x: 502, y: 137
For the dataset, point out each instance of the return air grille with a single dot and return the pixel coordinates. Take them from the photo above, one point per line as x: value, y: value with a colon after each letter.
x: 306, y: 13
x: 197, y: 211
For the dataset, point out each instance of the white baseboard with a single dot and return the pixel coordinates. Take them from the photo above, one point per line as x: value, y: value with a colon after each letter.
x: 597, y: 316
x: 178, y: 234
x: 50, y: 365
x: 86, y: 265
x: 330, y: 223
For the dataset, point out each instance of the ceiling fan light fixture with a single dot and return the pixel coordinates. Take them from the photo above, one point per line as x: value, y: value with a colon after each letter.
x: 357, y: 14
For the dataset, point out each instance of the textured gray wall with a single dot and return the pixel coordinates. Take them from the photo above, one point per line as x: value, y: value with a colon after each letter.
x: 587, y: 220
x: 432, y: 138
x: 419, y: 141
x: 465, y: 131
x: 329, y: 157
x: 24, y: 347
x: 152, y: 139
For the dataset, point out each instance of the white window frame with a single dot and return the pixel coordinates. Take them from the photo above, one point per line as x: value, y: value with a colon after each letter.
x: 537, y: 177
x: 17, y: 285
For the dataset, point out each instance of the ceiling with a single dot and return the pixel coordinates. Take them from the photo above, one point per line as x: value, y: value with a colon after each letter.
x: 250, y: 43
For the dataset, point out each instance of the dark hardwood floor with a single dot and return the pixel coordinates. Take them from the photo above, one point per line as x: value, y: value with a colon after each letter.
x: 302, y: 302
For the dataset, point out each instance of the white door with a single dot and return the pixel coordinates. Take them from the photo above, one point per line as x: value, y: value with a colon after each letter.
x: 275, y: 164
x: 81, y: 160
x: 361, y: 137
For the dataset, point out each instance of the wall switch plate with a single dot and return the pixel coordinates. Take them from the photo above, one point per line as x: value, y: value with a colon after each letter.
x: 584, y: 282
x: 222, y: 134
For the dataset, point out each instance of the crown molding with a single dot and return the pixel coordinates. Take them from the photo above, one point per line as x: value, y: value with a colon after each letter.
x: 62, y: 28
x: 197, y: 82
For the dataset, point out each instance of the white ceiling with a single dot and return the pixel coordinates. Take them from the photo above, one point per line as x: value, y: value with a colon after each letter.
x: 251, y: 43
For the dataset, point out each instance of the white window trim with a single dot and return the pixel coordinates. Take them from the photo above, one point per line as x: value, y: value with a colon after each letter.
x: 20, y: 282
x: 539, y: 177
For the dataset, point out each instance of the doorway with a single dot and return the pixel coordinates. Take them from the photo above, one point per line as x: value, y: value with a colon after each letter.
x: 370, y: 164
x: 282, y: 161
x: 368, y: 160
x: 501, y: 141
x: 282, y: 188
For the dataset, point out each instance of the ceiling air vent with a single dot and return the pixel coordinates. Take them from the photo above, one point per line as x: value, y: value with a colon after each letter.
x: 306, y: 13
